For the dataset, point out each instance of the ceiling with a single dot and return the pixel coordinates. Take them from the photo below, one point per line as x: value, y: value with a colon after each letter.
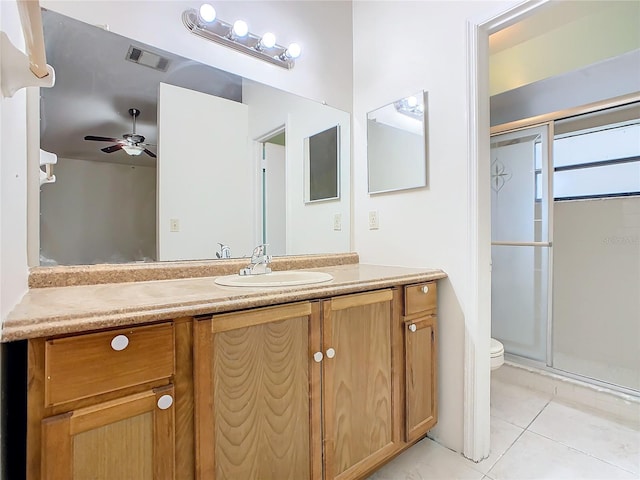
x: 546, y: 18
x: 96, y: 86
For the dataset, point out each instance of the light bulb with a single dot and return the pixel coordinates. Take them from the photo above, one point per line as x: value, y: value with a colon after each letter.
x: 133, y: 149
x: 412, y: 101
x: 268, y: 40
x: 293, y: 51
x: 207, y: 13
x: 240, y: 28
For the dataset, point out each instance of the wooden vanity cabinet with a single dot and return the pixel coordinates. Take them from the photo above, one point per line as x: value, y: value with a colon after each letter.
x: 302, y: 391
x: 361, y: 384
x: 102, y: 405
x: 130, y: 437
x: 257, y: 390
x: 328, y: 389
x: 420, y: 346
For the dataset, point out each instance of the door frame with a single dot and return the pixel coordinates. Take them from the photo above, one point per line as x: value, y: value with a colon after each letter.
x: 477, y: 371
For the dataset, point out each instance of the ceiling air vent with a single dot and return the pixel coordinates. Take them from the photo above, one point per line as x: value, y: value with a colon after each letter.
x: 147, y: 58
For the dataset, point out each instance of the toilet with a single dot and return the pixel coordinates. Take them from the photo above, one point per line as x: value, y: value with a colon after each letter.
x: 497, y: 354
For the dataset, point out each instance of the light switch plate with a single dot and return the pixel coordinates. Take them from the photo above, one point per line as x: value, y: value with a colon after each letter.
x: 174, y: 225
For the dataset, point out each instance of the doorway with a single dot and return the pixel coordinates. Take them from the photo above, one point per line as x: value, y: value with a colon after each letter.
x: 272, y: 174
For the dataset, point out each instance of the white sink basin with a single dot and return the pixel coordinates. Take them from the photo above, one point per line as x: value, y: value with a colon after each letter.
x: 283, y: 278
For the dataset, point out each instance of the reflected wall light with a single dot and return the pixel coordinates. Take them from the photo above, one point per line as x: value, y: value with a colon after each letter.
x: 205, y: 23
x: 411, y: 107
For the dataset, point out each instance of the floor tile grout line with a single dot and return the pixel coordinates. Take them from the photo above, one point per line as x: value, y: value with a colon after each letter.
x: 505, y: 452
x: 518, y: 437
x: 571, y: 447
x: 538, y: 414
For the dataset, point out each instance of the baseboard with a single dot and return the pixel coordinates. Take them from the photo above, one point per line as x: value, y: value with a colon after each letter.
x: 620, y: 405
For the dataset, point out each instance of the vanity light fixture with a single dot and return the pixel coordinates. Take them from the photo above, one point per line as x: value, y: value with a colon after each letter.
x: 205, y: 23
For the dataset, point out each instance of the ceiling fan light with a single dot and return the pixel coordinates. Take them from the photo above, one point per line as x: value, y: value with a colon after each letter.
x: 133, y: 149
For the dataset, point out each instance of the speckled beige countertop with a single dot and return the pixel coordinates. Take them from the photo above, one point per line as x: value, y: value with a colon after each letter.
x: 71, y: 309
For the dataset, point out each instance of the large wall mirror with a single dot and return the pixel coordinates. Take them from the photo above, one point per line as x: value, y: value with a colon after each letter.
x: 208, y: 173
x: 397, y: 145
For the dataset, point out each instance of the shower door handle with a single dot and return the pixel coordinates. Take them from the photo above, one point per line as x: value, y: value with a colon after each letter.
x: 522, y: 244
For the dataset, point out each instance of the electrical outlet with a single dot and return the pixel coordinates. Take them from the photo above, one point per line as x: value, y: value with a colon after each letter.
x: 174, y: 225
x: 337, y: 221
x: 373, y: 220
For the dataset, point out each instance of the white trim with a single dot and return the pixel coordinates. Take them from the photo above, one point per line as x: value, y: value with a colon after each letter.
x: 477, y: 373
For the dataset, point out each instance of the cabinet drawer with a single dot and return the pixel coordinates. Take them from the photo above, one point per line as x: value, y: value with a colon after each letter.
x: 85, y: 365
x: 420, y: 298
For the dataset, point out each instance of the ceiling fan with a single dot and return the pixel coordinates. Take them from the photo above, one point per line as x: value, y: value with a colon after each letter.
x: 131, y: 143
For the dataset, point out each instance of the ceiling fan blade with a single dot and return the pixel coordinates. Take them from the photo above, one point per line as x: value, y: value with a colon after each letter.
x: 112, y: 148
x: 150, y: 153
x: 101, y: 139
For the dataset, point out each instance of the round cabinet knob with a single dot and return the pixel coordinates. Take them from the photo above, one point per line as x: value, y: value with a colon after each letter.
x: 413, y: 327
x: 318, y: 357
x: 331, y: 353
x: 425, y: 289
x: 119, y: 342
x: 165, y: 401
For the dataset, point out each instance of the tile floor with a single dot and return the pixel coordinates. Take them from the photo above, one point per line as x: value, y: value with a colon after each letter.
x: 534, y: 435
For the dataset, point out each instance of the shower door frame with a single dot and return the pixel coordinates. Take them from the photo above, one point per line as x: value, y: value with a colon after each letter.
x: 540, y: 120
x: 548, y: 169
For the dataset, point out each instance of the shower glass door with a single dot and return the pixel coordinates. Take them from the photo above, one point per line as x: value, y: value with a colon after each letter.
x: 521, y: 241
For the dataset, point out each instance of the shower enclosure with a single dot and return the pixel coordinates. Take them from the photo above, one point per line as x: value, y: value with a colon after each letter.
x: 566, y: 245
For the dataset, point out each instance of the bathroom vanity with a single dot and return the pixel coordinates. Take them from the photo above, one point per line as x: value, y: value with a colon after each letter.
x: 184, y: 378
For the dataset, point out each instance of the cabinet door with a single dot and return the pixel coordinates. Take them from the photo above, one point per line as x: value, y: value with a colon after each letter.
x: 421, y: 405
x: 131, y: 437
x: 360, y: 392
x: 257, y: 394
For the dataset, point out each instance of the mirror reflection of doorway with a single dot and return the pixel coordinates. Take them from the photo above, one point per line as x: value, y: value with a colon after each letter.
x: 274, y: 199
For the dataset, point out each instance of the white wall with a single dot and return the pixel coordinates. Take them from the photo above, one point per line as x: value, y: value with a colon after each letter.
x: 98, y: 212
x: 13, y: 186
x: 203, y: 164
x: 13, y: 195
x: 399, y: 48
x: 270, y: 109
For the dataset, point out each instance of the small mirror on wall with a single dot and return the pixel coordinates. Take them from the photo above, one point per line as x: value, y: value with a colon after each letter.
x: 322, y: 164
x: 397, y: 145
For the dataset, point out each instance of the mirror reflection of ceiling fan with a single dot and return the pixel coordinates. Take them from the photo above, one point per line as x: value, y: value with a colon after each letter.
x: 131, y: 143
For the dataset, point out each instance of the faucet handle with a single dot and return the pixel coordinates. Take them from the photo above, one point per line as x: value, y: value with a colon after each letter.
x: 259, y: 250
x: 225, y: 251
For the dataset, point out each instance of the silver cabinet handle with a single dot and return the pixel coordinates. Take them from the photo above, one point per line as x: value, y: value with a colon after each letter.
x: 425, y: 289
x: 413, y: 327
x: 119, y: 342
x: 331, y: 353
x: 318, y: 357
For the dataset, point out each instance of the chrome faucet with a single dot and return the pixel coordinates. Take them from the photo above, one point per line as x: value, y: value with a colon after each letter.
x: 225, y: 251
x: 259, y: 262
